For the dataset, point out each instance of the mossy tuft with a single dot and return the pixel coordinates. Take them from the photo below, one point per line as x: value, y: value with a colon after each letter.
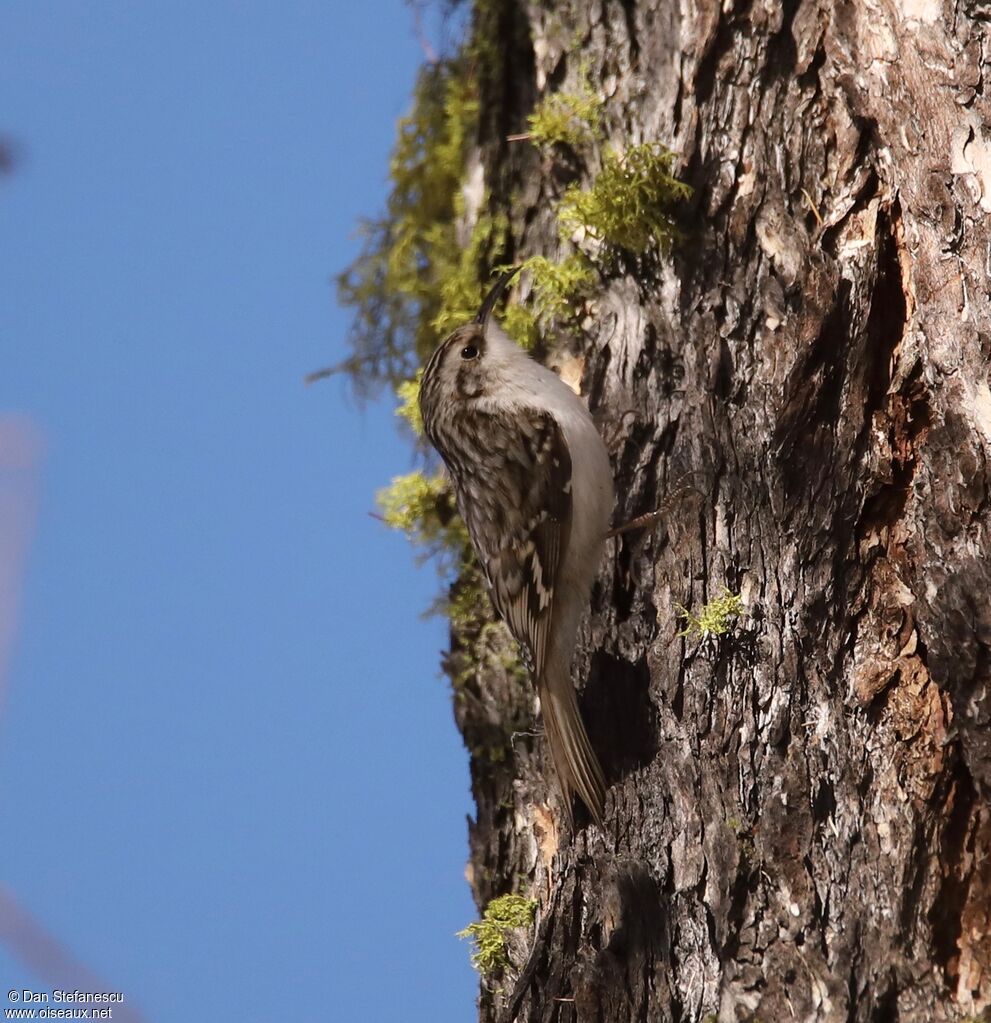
x: 490, y: 933
x: 714, y: 619
x: 568, y: 118
x: 408, y: 393
x: 396, y: 285
x: 423, y: 508
x: 631, y: 202
x: 558, y: 286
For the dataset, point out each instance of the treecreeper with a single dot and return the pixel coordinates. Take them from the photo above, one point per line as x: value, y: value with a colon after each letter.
x: 534, y: 486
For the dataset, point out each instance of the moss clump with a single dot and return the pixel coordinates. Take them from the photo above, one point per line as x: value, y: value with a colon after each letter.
x: 480, y: 638
x: 395, y: 285
x: 557, y: 286
x: 568, y: 118
x: 469, y: 606
x: 415, y: 279
x: 490, y: 933
x: 408, y: 393
x: 630, y: 203
x: 422, y: 507
x: 465, y: 286
x: 521, y: 325
x: 714, y: 619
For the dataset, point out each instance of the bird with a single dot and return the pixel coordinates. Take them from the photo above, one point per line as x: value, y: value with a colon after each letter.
x: 533, y: 484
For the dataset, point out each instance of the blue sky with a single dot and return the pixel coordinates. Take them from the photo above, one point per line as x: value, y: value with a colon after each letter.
x: 229, y: 776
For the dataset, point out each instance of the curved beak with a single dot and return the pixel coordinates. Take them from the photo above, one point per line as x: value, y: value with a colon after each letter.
x: 493, y: 296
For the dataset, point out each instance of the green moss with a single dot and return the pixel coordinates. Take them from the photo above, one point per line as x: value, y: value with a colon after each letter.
x: 489, y: 934
x: 467, y: 282
x: 557, y: 286
x: 521, y: 325
x: 481, y: 639
x: 469, y: 606
x: 408, y: 393
x: 396, y: 284
x: 495, y: 751
x: 714, y: 619
x: 568, y: 118
x: 422, y: 507
x: 630, y: 203
x: 414, y: 280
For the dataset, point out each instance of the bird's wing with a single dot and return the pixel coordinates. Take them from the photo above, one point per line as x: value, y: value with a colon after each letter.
x: 520, y: 519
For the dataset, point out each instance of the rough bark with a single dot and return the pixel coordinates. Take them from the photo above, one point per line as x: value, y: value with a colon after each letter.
x: 798, y: 821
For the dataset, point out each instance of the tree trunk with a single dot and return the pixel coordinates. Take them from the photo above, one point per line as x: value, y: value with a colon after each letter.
x: 797, y: 823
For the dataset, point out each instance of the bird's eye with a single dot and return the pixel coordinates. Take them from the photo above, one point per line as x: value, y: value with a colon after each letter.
x: 469, y: 352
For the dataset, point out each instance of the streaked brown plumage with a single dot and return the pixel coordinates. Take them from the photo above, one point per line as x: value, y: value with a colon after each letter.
x: 534, y: 488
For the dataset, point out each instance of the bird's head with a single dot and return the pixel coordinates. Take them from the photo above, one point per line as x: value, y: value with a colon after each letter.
x: 464, y: 362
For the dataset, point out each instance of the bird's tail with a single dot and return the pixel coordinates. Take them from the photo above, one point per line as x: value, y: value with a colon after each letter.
x: 578, y: 768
